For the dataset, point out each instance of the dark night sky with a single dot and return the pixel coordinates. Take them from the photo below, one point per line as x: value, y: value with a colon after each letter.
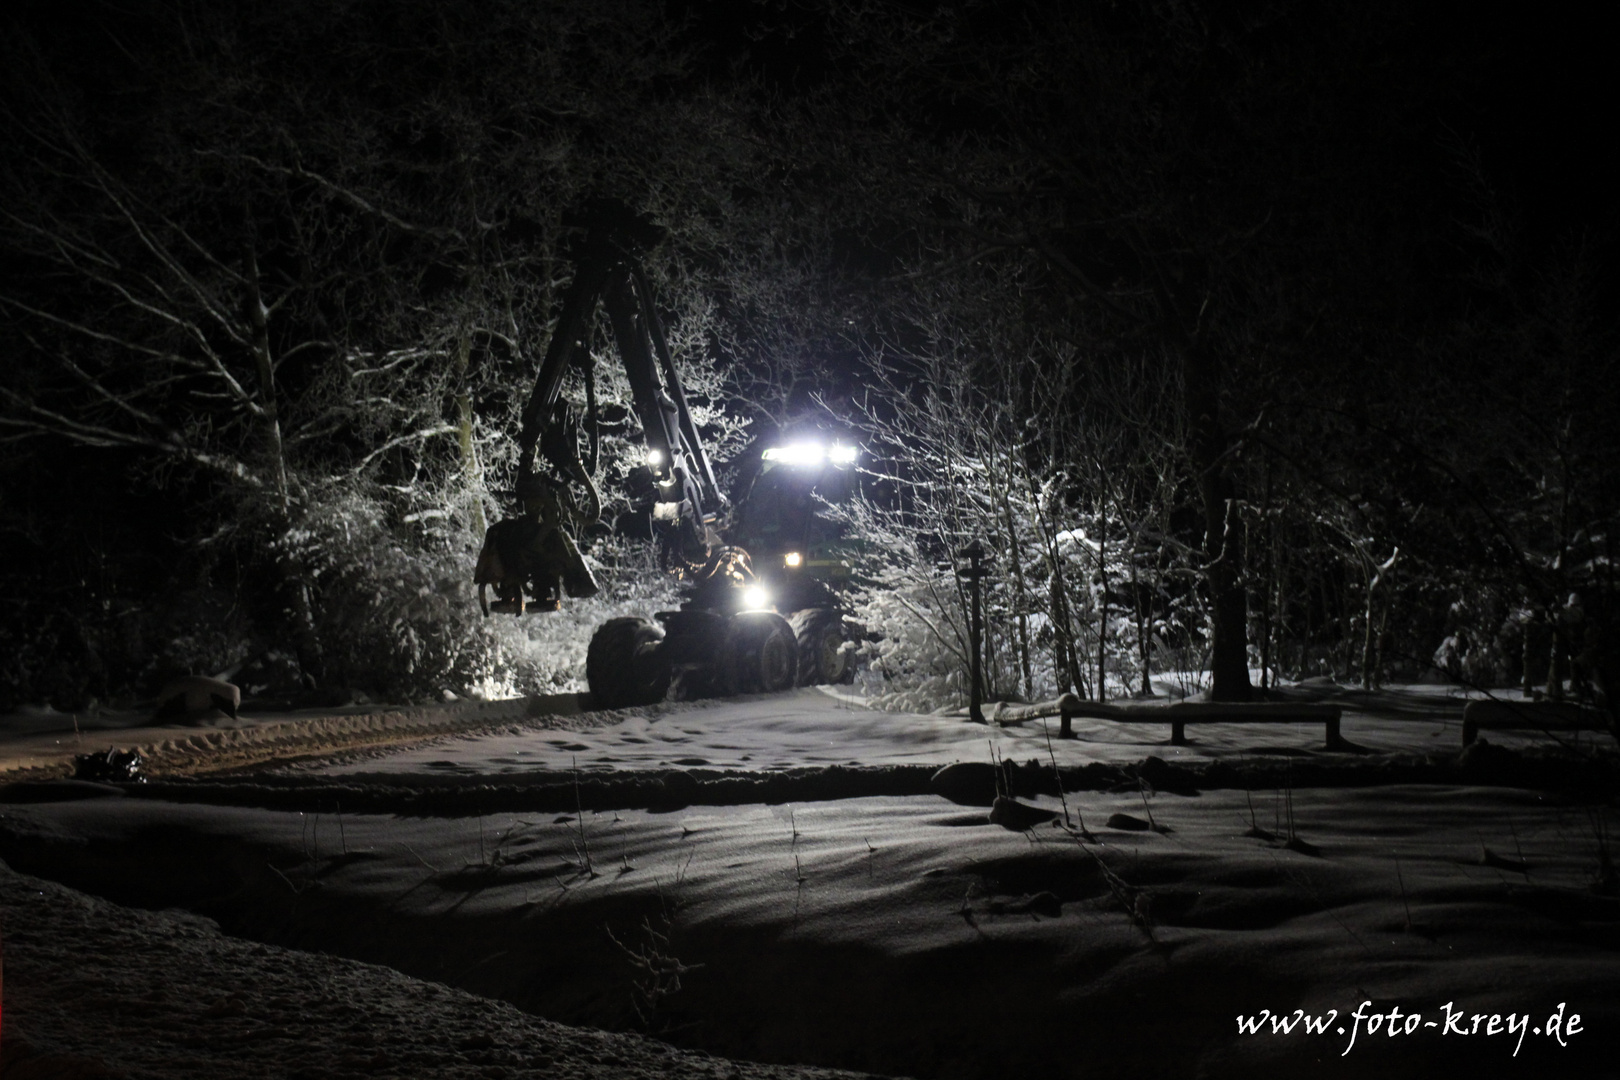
x: 1539, y: 100
x: 1548, y: 112
x: 1534, y: 92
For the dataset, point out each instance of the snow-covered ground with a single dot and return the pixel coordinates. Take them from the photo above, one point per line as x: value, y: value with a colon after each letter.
x: 43, y: 742
x: 818, y: 727
x: 97, y: 991
x: 898, y: 932
x: 821, y: 726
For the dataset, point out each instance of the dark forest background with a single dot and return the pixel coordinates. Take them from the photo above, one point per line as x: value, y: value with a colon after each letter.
x: 1263, y: 341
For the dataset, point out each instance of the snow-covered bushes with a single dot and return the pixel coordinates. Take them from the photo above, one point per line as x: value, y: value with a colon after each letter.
x: 1049, y: 615
x: 398, y: 615
x: 919, y: 661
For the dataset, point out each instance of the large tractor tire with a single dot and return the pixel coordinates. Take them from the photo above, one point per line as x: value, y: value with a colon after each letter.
x: 822, y: 658
x: 625, y: 664
x: 760, y: 655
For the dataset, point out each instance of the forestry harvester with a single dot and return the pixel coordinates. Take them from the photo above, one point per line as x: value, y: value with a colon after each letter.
x: 759, y: 613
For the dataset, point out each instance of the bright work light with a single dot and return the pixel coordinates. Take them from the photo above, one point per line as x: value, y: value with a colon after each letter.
x: 655, y: 458
x: 796, y: 454
x: 755, y: 597
x: 793, y: 558
x: 810, y: 453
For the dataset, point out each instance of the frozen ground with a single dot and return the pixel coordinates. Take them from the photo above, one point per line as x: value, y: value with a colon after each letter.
x: 777, y: 880
x: 819, y: 727
x: 43, y: 742
x: 796, y: 730
x: 97, y: 990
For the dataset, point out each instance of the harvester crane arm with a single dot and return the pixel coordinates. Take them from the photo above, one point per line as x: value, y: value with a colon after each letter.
x: 688, y: 501
x: 608, y: 274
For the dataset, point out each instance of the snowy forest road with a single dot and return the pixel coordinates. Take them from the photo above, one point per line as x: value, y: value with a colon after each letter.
x: 43, y: 744
x: 813, y: 727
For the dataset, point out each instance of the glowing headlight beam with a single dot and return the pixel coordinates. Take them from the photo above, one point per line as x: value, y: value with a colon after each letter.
x: 793, y: 558
x: 755, y: 598
x: 797, y: 454
x: 655, y: 458
x: 810, y: 453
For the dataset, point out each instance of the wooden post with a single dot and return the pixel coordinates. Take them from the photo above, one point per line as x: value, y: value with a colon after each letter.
x: 1068, y: 705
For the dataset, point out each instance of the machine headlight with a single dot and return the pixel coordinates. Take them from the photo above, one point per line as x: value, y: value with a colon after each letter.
x: 796, y: 454
x: 755, y: 598
x: 811, y: 453
x: 793, y: 558
x: 655, y: 458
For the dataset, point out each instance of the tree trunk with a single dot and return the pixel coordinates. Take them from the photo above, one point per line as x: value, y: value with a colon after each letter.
x: 1269, y: 532
x: 1279, y: 604
x: 464, y: 431
x: 1223, y: 546
x: 295, y: 576
x: 1141, y: 610
x: 1555, y: 662
x: 1070, y: 673
x: 1347, y: 629
x: 1367, y: 678
x: 1266, y: 680
x: 1102, y: 615
x: 1527, y: 652
x: 1060, y: 629
x: 1020, y: 601
x: 1383, y: 636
